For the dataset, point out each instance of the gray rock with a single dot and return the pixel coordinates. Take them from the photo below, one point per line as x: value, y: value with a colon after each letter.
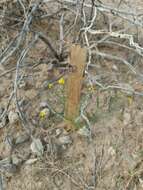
x: 16, y: 160
x: 13, y: 117
x: 7, y: 166
x: 22, y: 139
x: 31, y: 161
x: 37, y: 147
x: 43, y: 105
x: 65, y: 140
x: 5, y: 161
x: 58, y: 132
x: 84, y: 131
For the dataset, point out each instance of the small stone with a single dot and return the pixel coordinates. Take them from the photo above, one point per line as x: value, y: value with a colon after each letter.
x: 37, y: 147
x: 5, y: 161
x: 13, y: 117
x: 115, y: 68
x: 50, y: 66
x: 22, y: 139
x: 43, y: 105
x: 16, y: 160
x: 65, y: 140
x: 31, y: 161
x: 58, y: 132
x: 84, y: 131
x: 7, y: 166
x: 11, y: 169
x: 45, y: 84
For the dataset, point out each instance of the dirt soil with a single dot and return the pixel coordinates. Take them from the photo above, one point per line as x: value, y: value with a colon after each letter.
x: 109, y: 158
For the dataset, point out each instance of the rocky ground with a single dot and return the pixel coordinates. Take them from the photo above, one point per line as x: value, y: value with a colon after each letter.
x: 39, y: 150
x: 107, y: 157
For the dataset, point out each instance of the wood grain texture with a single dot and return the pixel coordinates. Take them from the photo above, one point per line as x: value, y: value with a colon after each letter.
x: 74, y: 82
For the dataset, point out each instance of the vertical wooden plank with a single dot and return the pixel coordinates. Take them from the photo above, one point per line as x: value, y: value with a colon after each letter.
x: 74, y: 82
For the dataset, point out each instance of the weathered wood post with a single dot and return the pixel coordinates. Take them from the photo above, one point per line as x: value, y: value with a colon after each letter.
x: 74, y: 82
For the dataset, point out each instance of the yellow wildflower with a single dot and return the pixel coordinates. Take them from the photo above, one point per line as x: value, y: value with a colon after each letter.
x: 61, y: 81
x: 50, y: 85
x: 42, y: 114
x: 91, y: 88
